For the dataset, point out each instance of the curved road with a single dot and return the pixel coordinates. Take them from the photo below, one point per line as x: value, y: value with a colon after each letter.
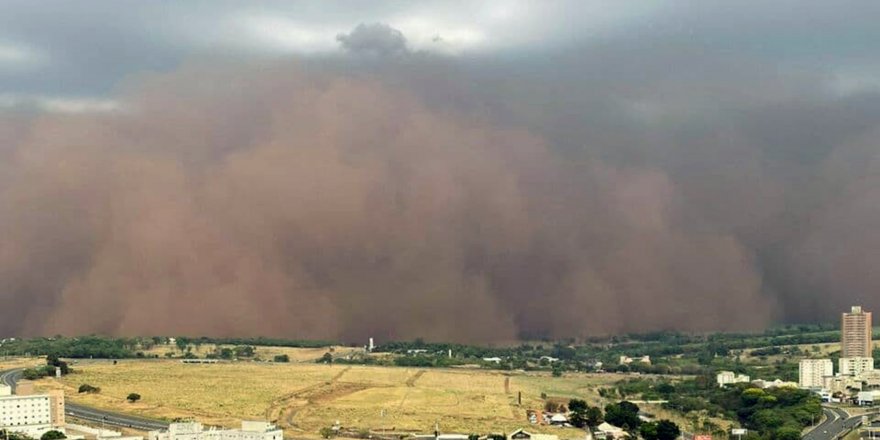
x: 10, y: 377
x: 837, y: 422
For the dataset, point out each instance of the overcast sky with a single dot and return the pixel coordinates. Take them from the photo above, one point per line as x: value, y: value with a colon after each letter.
x: 56, y: 51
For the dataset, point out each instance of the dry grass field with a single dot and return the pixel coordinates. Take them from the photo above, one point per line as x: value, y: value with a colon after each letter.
x: 8, y: 363
x: 304, y: 397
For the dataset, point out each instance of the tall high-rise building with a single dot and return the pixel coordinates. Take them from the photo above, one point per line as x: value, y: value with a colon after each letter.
x: 855, y: 334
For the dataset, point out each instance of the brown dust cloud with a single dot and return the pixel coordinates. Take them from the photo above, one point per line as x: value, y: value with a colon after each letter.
x: 418, y: 200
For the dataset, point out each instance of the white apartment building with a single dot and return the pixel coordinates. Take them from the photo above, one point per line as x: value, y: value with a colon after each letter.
x: 812, y: 372
x: 856, y: 366
x: 729, y: 377
x: 195, y: 431
x: 32, y: 415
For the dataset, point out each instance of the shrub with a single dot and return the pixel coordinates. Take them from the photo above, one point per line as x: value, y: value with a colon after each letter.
x: 53, y: 435
x: 86, y: 388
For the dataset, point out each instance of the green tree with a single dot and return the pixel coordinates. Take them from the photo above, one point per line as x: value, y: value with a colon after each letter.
x: 326, y: 432
x: 624, y: 415
x: 133, y: 397
x: 282, y: 358
x: 648, y: 431
x: 667, y: 430
x: 665, y: 388
x: 594, y: 416
x: 53, y: 435
x: 244, y: 351
x: 327, y: 358
x: 33, y: 373
x: 578, y: 409
x: 53, y: 361
x: 787, y: 433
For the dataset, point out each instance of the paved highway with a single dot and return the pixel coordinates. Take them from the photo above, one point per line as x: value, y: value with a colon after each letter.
x: 113, y: 419
x: 837, y: 422
x: 10, y: 377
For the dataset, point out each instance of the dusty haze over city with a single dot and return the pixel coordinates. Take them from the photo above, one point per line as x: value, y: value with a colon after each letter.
x: 467, y: 171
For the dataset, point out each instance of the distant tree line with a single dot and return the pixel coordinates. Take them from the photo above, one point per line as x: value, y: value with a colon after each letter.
x: 257, y: 341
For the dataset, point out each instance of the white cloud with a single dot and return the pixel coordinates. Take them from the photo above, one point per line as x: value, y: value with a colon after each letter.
x: 17, y: 56
x: 275, y: 33
x: 59, y: 104
x: 855, y: 79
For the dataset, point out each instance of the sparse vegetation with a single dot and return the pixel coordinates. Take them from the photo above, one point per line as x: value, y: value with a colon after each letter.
x: 12, y: 435
x: 314, y: 395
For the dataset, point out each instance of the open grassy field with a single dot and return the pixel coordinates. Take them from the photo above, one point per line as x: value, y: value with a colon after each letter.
x: 304, y: 397
x: 8, y: 363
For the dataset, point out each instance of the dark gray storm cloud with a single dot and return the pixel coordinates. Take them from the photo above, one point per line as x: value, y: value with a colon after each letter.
x: 374, y: 38
x: 492, y: 171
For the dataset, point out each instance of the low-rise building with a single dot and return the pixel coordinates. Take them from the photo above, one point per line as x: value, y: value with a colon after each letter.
x: 776, y: 383
x: 32, y: 414
x: 608, y: 431
x: 626, y: 360
x: 871, y: 379
x: 520, y: 434
x: 812, y: 372
x: 73, y: 431
x: 855, y: 366
x: 558, y: 419
x: 195, y: 431
x: 729, y: 377
x: 841, y: 384
x: 868, y: 398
